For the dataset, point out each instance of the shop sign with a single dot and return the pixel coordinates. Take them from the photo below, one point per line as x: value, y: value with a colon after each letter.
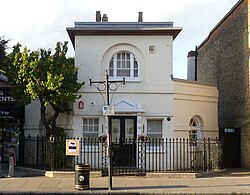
x: 72, y: 147
x: 5, y: 97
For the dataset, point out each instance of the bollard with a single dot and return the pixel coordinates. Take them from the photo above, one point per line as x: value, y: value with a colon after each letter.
x: 11, y: 166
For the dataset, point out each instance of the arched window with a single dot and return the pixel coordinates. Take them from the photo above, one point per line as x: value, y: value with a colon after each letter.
x: 124, y: 64
x: 195, y: 126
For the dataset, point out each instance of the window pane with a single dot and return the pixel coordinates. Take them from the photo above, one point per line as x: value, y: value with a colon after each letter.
x: 111, y: 72
x: 119, y: 73
x: 118, y: 64
x: 127, y: 73
x: 154, y: 125
x: 116, y: 128
x: 90, y: 127
x: 135, y: 73
x: 154, y: 128
x: 96, y: 129
x: 111, y: 63
x: 129, y: 128
x: 135, y: 64
x: 123, y: 73
x: 128, y: 64
x: 85, y: 128
x: 192, y: 137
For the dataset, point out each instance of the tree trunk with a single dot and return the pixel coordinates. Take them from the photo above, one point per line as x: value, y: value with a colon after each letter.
x: 52, y: 123
x: 45, y: 122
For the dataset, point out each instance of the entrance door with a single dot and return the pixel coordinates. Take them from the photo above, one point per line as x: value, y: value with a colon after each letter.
x: 231, y: 147
x: 123, y: 141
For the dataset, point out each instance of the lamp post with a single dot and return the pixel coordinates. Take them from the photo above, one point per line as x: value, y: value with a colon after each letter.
x: 107, y: 88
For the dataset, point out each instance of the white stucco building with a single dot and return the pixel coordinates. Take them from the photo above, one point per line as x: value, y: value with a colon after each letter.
x: 152, y: 102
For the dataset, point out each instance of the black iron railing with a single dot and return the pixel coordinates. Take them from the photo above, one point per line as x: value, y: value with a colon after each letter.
x: 128, y: 157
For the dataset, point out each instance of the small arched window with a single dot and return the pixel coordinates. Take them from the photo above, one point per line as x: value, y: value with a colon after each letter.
x: 195, y: 126
x: 194, y: 123
x: 124, y: 64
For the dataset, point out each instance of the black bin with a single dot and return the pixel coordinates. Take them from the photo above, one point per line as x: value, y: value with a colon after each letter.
x: 82, y: 172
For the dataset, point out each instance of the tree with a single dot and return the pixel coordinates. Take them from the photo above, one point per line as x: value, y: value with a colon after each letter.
x: 3, y: 55
x: 52, y: 79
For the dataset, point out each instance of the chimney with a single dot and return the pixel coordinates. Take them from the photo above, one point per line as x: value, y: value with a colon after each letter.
x: 192, y: 65
x: 98, y: 16
x: 104, y: 18
x: 140, y: 19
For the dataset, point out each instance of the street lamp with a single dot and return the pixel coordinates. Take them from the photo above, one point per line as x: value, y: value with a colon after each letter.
x: 106, y: 85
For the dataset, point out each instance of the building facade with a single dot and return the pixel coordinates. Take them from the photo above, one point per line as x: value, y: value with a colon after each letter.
x: 151, y: 103
x: 223, y: 60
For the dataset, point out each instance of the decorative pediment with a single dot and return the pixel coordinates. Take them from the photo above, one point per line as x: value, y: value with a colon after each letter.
x: 125, y: 106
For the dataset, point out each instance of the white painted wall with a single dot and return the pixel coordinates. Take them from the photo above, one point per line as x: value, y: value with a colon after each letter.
x: 93, y: 54
x: 194, y: 99
x: 32, y: 118
x: 33, y: 125
x: 152, y: 93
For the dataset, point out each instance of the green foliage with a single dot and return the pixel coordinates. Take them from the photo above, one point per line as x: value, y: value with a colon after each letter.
x: 3, y: 55
x: 51, y: 78
x: 56, y: 152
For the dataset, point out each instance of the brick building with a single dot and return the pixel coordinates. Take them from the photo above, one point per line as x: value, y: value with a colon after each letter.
x: 223, y: 60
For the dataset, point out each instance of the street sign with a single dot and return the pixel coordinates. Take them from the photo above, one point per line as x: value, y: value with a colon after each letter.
x: 108, y: 110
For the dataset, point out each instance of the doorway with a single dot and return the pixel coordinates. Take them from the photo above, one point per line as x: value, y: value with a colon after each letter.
x: 9, y: 139
x: 230, y: 138
x: 124, y: 133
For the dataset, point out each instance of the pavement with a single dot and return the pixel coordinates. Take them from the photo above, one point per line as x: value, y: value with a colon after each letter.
x: 231, y: 181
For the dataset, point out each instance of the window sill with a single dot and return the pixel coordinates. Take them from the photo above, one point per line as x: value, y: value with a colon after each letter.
x: 126, y: 80
x: 133, y: 81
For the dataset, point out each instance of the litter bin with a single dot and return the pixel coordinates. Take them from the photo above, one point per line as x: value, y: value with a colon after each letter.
x: 82, y: 172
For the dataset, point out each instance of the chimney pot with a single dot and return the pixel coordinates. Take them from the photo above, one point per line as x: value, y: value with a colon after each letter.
x: 104, y: 18
x: 98, y: 16
x: 140, y: 18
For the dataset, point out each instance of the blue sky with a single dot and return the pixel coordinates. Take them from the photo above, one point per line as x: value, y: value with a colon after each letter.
x: 40, y: 24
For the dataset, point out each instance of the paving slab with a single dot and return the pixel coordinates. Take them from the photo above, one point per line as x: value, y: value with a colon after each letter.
x: 229, y: 182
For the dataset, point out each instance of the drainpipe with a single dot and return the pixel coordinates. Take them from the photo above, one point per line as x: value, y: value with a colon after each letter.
x: 195, y: 64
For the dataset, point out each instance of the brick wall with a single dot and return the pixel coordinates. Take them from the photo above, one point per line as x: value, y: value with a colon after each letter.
x: 223, y: 59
